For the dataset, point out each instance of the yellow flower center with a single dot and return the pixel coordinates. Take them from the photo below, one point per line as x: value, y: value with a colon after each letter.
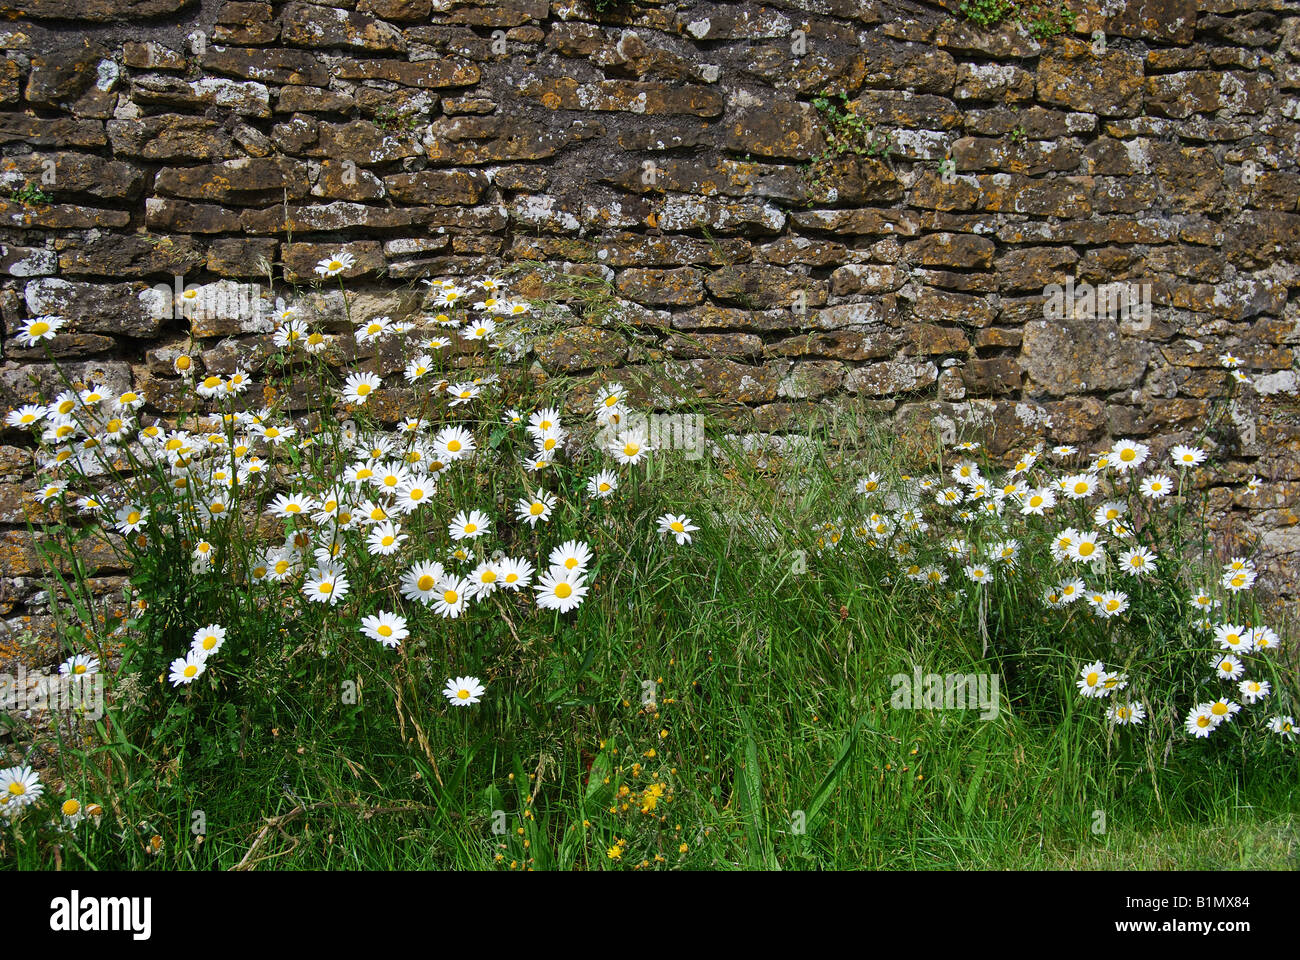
x: 39, y: 328
x: 563, y: 590
x: 385, y: 630
x: 536, y: 509
x: 425, y: 583
x: 191, y: 670
x: 450, y: 597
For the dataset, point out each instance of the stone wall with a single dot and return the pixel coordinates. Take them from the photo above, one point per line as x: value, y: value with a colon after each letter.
x: 673, y: 150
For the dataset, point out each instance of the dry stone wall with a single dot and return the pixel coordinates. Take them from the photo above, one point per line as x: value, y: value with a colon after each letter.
x: 677, y: 151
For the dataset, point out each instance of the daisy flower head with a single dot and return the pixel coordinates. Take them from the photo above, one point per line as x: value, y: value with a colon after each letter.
x: 79, y: 665
x: 1236, y: 581
x: 478, y: 329
x: 39, y: 328
x: 462, y: 393
x: 1072, y: 590
x: 1231, y: 637
x: 468, y: 525
x: 358, y: 387
x: 1187, y: 456
x: 451, y: 596
x: 29, y: 415
x: 187, y: 669
x: 336, y: 264
x: 326, y: 584
x: 130, y: 519
x: 536, y: 508
x: 485, y: 579
x: 1086, y: 547
x: 978, y: 573
x: 602, y: 484
x: 560, y: 590
x: 1037, y: 502
x: 420, y: 582
x: 1137, y: 562
x: 630, y: 448
x: 1230, y: 361
x: 1092, y: 680
x: 680, y: 527
x: 208, y: 640
x: 1283, y: 726
x: 1113, y: 603
x: 454, y: 443
x: 1228, y: 667
x: 1157, y: 486
x: 572, y: 556
x: 613, y: 395
x: 1078, y: 486
x: 1128, y: 455
x: 1223, y: 709
x: 1200, y: 721
x: 1263, y: 638
x: 388, y: 628
x: 463, y: 691
x: 514, y: 573
x: 868, y: 484
x: 1253, y: 691
x: 20, y: 787
x: 1124, y: 714
x: 291, y: 505
x: 413, y: 492
x: 418, y: 367
x: 385, y: 539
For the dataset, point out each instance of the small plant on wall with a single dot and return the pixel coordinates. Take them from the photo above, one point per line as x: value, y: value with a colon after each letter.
x: 1042, y: 20
x: 845, y: 132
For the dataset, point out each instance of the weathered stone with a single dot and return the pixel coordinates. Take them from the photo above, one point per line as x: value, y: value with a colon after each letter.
x: 97, y: 11
x: 58, y: 132
x: 244, y: 182
x: 136, y: 255
x: 579, y: 348
x: 171, y: 136
x: 565, y: 93
x: 458, y: 187
x: 786, y: 130
x: 94, y: 307
x: 1005, y: 83
x: 891, y: 377
x: 443, y: 72
x: 268, y: 66
x: 1108, y: 84
x: 952, y: 250
x: 307, y: 25
x: 229, y: 257
x: 300, y: 259
x: 694, y: 213
x: 678, y: 287
x: 757, y: 286
x: 244, y: 97
x: 1081, y: 356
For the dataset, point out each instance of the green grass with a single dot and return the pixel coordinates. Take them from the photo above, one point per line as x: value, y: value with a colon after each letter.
x: 724, y: 704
